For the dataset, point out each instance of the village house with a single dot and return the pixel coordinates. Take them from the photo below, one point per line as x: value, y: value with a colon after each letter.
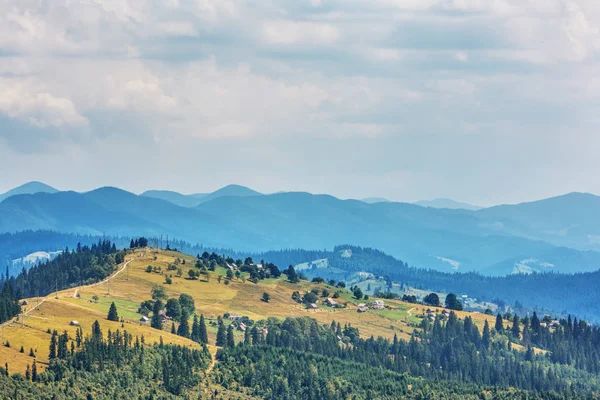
x: 241, y: 327
x: 314, y: 306
x: 74, y: 323
x: 362, y: 307
x: 330, y: 302
x: 378, y: 305
x: 233, y: 317
x: 144, y: 319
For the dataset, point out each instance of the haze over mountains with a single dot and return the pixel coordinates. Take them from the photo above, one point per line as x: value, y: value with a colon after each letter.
x: 556, y: 234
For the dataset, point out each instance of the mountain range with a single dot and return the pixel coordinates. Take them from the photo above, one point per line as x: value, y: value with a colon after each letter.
x: 557, y: 234
x: 28, y: 188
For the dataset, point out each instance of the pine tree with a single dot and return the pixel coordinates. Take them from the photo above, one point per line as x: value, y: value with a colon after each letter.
x: 184, y: 325
x: 247, y: 337
x: 230, y: 339
x: 63, y: 351
x: 486, y: 338
x: 196, y: 330
x: 499, y: 327
x: 53, y: 345
x: 156, y: 321
x: 173, y: 331
x: 28, y: 373
x: 203, y: 332
x: 34, y: 371
x: 516, y: 330
x: 112, y: 313
x: 221, y: 335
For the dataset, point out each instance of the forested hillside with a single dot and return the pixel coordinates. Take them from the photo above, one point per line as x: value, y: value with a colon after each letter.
x: 81, y: 265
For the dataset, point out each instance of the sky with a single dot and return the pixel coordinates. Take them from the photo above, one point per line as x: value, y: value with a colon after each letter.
x: 484, y: 101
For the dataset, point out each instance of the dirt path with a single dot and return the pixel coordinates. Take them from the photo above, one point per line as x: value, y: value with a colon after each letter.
x: 409, y: 312
x: 110, y: 277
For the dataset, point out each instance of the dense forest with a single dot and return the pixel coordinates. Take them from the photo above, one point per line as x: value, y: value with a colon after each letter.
x: 300, y: 359
x: 9, y: 307
x: 82, y: 265
x: 115, y: 366
x: 14, y: 246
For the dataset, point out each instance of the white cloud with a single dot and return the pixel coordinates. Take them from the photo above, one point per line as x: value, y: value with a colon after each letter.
x: 304, y: 33
x: 40, y: 109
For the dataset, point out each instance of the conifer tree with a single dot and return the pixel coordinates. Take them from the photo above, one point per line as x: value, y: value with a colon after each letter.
x: 486, y: 338
x: 53, y: 345
x: 203, y: 332
x: 173, y: 331
x: 230, y: 339
x: 247, y: 337
x: 196, y: 330
x: 184, y: 325
x: 156, y: 321
x: 34, y: 371
x: 112, y: 313
x: 499, y: 327
x: 516, y: 330
x: 221, y: 335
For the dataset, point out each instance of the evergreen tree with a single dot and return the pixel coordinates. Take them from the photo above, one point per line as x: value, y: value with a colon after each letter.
x: 221, y: 335
x: 230, y: 338
x: 203, y: 332
x: 156, y: 321
x: 112, y: 313
x: 173, y: 331
x: 516, y: 330
x: 499, y: 326
x: 184, y: 325
x: 195, y: 336
x: 34, y: 375
x: 247, y: 337
x: 485, y: 337
x: 53, y: 345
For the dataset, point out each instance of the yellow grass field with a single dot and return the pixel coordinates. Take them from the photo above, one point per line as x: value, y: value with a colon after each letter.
x: 132, y: 285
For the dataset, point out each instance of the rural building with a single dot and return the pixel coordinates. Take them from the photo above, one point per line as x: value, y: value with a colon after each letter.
x: 330, y: 302
x: 378, y: 305
x: 74, y: 323
x: 313, y: 306
x: 362, y: 307
x: 233, y: 317
x: 242, y: 327
x: 144, y: 319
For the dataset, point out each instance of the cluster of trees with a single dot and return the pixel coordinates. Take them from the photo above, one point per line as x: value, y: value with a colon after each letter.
x: 455, y: 351
x: 9, y: 306
x: 83, y: 265
x: 140, y: 242
x: 113, y: 366
x: 178, y: 310
x: 452, y: 302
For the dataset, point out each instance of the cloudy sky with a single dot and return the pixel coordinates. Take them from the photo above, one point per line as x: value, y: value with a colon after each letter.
x: 486, y: 101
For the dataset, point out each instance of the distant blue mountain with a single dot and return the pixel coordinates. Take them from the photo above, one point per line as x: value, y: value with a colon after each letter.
x: 192, y: 200
x: 28, y: 188
x: 447, y: 203
x: 546, y: 235
x: 183, y: 200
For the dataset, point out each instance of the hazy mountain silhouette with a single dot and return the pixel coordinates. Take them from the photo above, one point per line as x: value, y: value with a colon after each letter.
x: 28, y: 188
x: 492, y: 240
x: 192, y: 200
x: 447, y: 203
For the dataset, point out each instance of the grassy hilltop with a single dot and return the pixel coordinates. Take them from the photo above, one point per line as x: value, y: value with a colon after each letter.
x: 131, y: 284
